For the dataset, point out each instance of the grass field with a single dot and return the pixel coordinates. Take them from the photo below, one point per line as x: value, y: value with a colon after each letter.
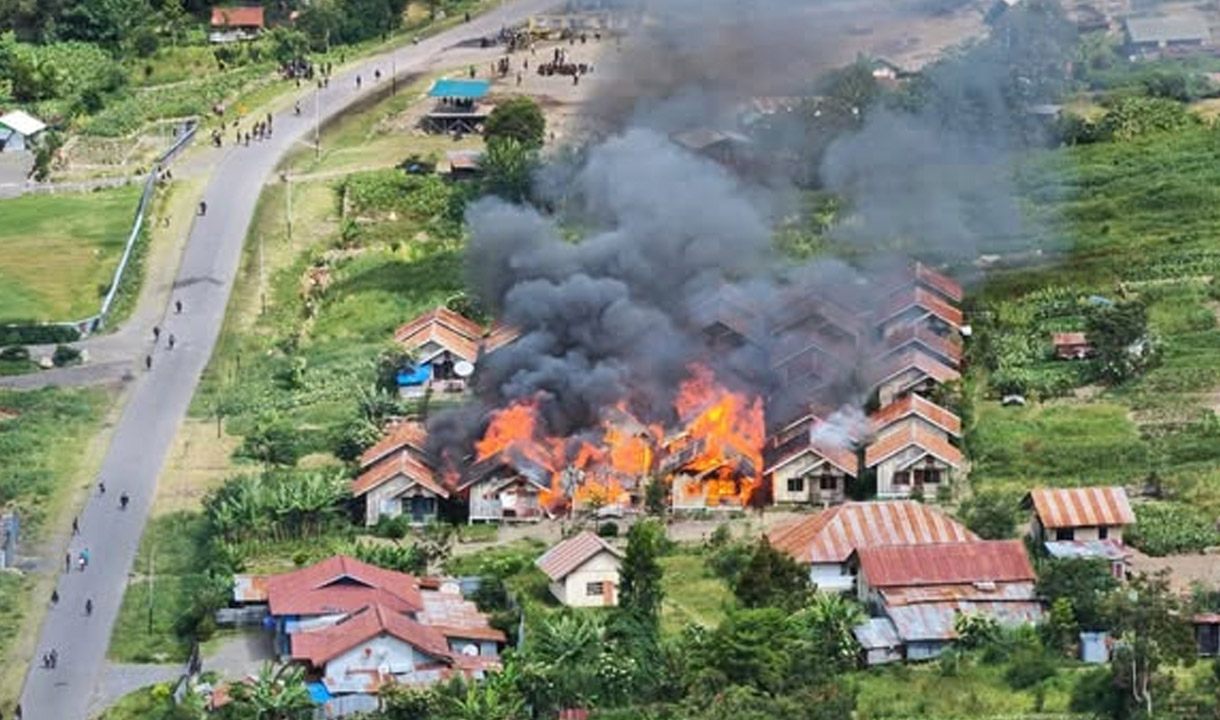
x: 974, y: 691
x: 692, y: 593
x: 58, y: 252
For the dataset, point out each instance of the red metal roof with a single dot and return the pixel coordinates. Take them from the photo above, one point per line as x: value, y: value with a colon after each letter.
x: 844, y: 459
x: 906, y: 298
x: 1069, y: 338
x: 908, y: 405
x: 325, y: 644
x: 939, y: 282
x: 341, y: 584
x: 831, y: 535
x: 1082, y: 507
x: 398, y: 437
x: 912, y: 434
x: 561, y: 560
x: 961, y: 563
x: 406, y: 464
x: 237, y: 17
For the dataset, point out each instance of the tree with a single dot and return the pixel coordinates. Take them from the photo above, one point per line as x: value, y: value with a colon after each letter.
x: 828, y: 625
x: 772, y: 579
x: 45, y: 153
x: 1135, y: 116
x: 1151, y: 629
x: 1119, y: 334
x: 519, y: 118
x: 991, y: 515
x: 641, y: 592
x: 1084, y: 583
x: 288, y: 44
x: 854, y: 85
x: 277, y: 694
x: 508, y: 169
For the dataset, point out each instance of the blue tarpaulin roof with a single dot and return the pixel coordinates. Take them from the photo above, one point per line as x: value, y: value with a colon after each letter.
x: 414, y: 376
x: 318, y: 692
x: 465, y: 89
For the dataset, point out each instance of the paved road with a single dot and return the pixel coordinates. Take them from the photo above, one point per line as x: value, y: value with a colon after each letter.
x: 159, y: 397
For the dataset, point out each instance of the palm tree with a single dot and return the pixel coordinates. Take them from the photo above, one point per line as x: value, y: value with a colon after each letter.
x: 277, y: 694
x: 495, y: 698
x: 831, y: 618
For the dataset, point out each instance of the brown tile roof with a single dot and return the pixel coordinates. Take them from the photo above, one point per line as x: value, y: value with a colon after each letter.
x: 912, y: 404
x: 910, y: 297
x: 564, y: 558
x: 500, y: 336
x: 325, y: 644
x: 398, y: 437
x: 341, y: 584
x: 916, y: 435
x: 831, y: 535
x: 1081, y: 507
x: 404, y: 463
x: 456, y: 333
x: 961, y: 563
x: 899, y: 340
x: 917, y: 359
x: 237, y: 17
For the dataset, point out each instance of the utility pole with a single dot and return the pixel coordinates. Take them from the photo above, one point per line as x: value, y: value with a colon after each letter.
x: 317, y: 125
x: 151, y: 579
x: 262, y: 288
x: 288, y: 197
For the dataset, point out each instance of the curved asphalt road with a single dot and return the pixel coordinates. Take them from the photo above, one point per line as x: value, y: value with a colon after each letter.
x: 159, y: 399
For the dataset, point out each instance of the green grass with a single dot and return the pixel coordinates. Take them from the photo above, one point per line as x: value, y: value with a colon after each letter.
x: 692, y: 593
x: 58, y: 252
x: 976, y: 691
x: 150, y: 703
x: 172, y: 544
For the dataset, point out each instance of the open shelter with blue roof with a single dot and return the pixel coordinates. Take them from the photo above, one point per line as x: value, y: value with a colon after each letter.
x: 458, y: 108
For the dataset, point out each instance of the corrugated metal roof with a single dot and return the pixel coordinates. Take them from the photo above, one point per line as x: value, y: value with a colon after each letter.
x: 984, y: 592
x: 340, y: 584
x: 939, y: 282
x: 456, y: 617
x: 902, y: 437
x: 934, y: 621
x: 22, y: 123
x: 561, y: 560
x: 944, y: 348
x: 237, y: 17
x: 908, y: 405
x: 452, y: 331
x: 1206, y: 619
x: 919, y: 359
x: 1069, y: 338
x: 1082, y: 507
x: 249, y: 588
x: 959, y: 563
x: 831, y: 535
x: 1175, y: 28
x: 1088, y: 549
x: 876, y: 634
x: 405, y: 464
x: 324, y: 644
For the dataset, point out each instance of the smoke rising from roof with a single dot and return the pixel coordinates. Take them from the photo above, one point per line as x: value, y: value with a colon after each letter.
x: 621, y: 313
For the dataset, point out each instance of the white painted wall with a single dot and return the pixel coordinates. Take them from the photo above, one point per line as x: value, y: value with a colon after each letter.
x: 383, y: 653
x: 602, y: 567
x: 831, y: 577
x: 811, y: 467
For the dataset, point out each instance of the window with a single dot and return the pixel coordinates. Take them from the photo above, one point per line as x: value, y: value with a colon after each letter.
x: 828, y: 482
x: 1065, y: 534
x: 796, y: 484
x: 1103, y: 532
x: 927, y: 477
x: 902, y: 478
x: 595, y: 589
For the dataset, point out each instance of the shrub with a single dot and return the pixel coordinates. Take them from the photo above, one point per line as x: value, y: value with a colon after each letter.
x: 519, y: 119
x: 33, y: 334
x: 394, y: 528
x: 1029, y: 667
x: 991, y: 515
x: 1164, y: 528
x: 15, y: 353
x: 65, y: 355
x: 607, y: 530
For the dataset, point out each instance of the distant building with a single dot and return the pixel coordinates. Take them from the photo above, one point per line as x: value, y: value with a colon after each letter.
x: 19, y: 130
x: 1170, y: 35
x: 464, y: 164
x: 923, y: 589
x: 725, y: 147
x: 397, y: 477
x: 1072, y: 346
x: 445, y: 346
x: 825, y: 540
x: 231, y: 24
x: 583, y: 570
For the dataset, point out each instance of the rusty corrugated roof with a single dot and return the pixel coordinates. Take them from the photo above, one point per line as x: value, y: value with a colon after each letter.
x: 1069, y: 338
x: 934, y: 621
x: 960, y: 563
x: 1082, y: 507
x: 939, y: 282
x: 561, y: 560
x: 237, y: 17
x: 908, y: 405
x: 456, y: 617
x: 831, y: 535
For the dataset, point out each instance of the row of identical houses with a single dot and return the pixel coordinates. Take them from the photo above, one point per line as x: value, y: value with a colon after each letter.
x: 899, y: 349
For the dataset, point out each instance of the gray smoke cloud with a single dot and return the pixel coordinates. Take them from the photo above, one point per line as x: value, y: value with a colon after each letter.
x: 619, y: 313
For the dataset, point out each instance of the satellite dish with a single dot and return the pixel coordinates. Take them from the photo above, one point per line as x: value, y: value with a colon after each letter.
x: 463, y: 369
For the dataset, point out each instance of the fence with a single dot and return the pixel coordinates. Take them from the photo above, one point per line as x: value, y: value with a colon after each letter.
x: 95, y: 322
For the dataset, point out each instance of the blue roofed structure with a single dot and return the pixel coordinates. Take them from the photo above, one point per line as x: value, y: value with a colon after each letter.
x: 460, y: 89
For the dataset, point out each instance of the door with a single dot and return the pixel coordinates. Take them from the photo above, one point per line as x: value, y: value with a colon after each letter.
x: 421, y: 509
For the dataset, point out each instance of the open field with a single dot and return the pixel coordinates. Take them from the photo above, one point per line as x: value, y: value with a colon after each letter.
x: 58, y: 252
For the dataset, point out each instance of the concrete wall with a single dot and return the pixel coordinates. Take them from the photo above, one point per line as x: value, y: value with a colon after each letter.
x: 831, y: 577
x: 603, y: 568
x: 353, y: 669
x: 1113, y: 532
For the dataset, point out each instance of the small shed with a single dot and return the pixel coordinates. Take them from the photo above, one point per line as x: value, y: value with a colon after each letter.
x: 231, y: 24
x: 1114, y: 553
x: 1072, y: 346
x: 1207, y: 633
x: 464, y: 164
x: 879, y: 641
x: 18, y: 130
x: 1095, y: 648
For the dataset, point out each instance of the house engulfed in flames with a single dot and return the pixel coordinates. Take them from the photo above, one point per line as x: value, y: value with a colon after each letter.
x: 728, y: 448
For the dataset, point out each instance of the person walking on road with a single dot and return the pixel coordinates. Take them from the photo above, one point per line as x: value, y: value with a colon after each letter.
x: 178, y: 306
x: 148, y: 362
x: 156, y: 333
x: 88, y: 607
x: 172, y: 340
x: 54, y: 597
x: 358, y: 82
x: 123, y: 500
x: 76, y: 526
x: 101, y: 487
x: 203, y: 208
x: 68, y: 562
